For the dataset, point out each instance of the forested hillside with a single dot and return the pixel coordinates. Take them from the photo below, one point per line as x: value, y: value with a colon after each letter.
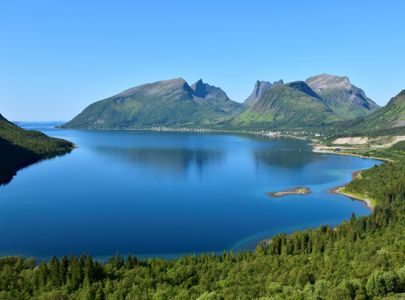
x: 20, y: 148
x: 363, y: 258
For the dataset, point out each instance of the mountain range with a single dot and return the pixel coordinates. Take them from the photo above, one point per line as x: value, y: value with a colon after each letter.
x: 319, y: 101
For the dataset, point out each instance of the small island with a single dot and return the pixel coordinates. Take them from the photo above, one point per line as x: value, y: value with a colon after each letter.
x: 294, y: 191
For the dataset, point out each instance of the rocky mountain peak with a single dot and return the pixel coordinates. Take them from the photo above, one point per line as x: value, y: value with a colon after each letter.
x: 200, y: 88
x: 346, y: 99
x: 278, y: 82
x: 175, y: 85
x: 328, y: 81
x: 205, y: 90
x: 259, y: 88
x: 398, y: 99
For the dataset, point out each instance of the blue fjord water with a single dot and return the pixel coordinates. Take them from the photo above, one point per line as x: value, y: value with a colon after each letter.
x: 166, y: 194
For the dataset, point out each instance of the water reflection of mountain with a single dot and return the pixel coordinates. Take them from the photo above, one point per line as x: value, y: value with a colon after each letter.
x: 286, y: 154
x: 12, y: 159
x: 169, y: 161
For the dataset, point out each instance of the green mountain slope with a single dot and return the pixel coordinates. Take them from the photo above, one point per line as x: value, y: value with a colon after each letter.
x: 173, y: 103
x: 390, y: 116
x: 291, y: 105
x: 20, y: 148
x: 169, y: 103
x: 345, y: 99
x: 259, y: 88
x: 388, y: 120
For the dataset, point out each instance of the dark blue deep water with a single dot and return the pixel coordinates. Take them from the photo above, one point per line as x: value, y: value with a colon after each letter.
x: 166, y: 194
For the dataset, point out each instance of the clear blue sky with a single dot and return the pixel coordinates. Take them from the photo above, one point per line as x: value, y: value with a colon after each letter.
x: 56, y: 57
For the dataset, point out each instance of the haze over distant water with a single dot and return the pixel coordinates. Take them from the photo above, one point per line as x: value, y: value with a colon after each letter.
x: 164, y: 194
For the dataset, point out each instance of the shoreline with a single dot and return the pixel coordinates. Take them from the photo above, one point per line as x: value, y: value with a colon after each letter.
x: 316, y: 148
x: 366, y: 201
x: 339, y: 190
x: 319, y: 148
x: 264, y: 133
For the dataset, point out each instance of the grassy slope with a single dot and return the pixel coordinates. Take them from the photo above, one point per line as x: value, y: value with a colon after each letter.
x: 388, y: 116
x: 388, y: 120
x: 140, y: 111
x: 343, y: 108
x: 285, y: 107
x: 19, y: 148
x: 338, y: 101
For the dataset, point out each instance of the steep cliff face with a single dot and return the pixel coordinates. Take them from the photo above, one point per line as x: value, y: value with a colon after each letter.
x: 344, y: 98
x: 258, y: 90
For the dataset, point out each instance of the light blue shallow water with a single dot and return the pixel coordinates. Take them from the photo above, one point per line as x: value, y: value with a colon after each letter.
x: 166, y: 194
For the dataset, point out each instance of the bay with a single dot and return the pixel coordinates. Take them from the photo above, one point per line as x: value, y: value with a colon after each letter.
x: 165, y: 194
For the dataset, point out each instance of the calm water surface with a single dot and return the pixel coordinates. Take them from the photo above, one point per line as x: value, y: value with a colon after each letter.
x: 166, y: 194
